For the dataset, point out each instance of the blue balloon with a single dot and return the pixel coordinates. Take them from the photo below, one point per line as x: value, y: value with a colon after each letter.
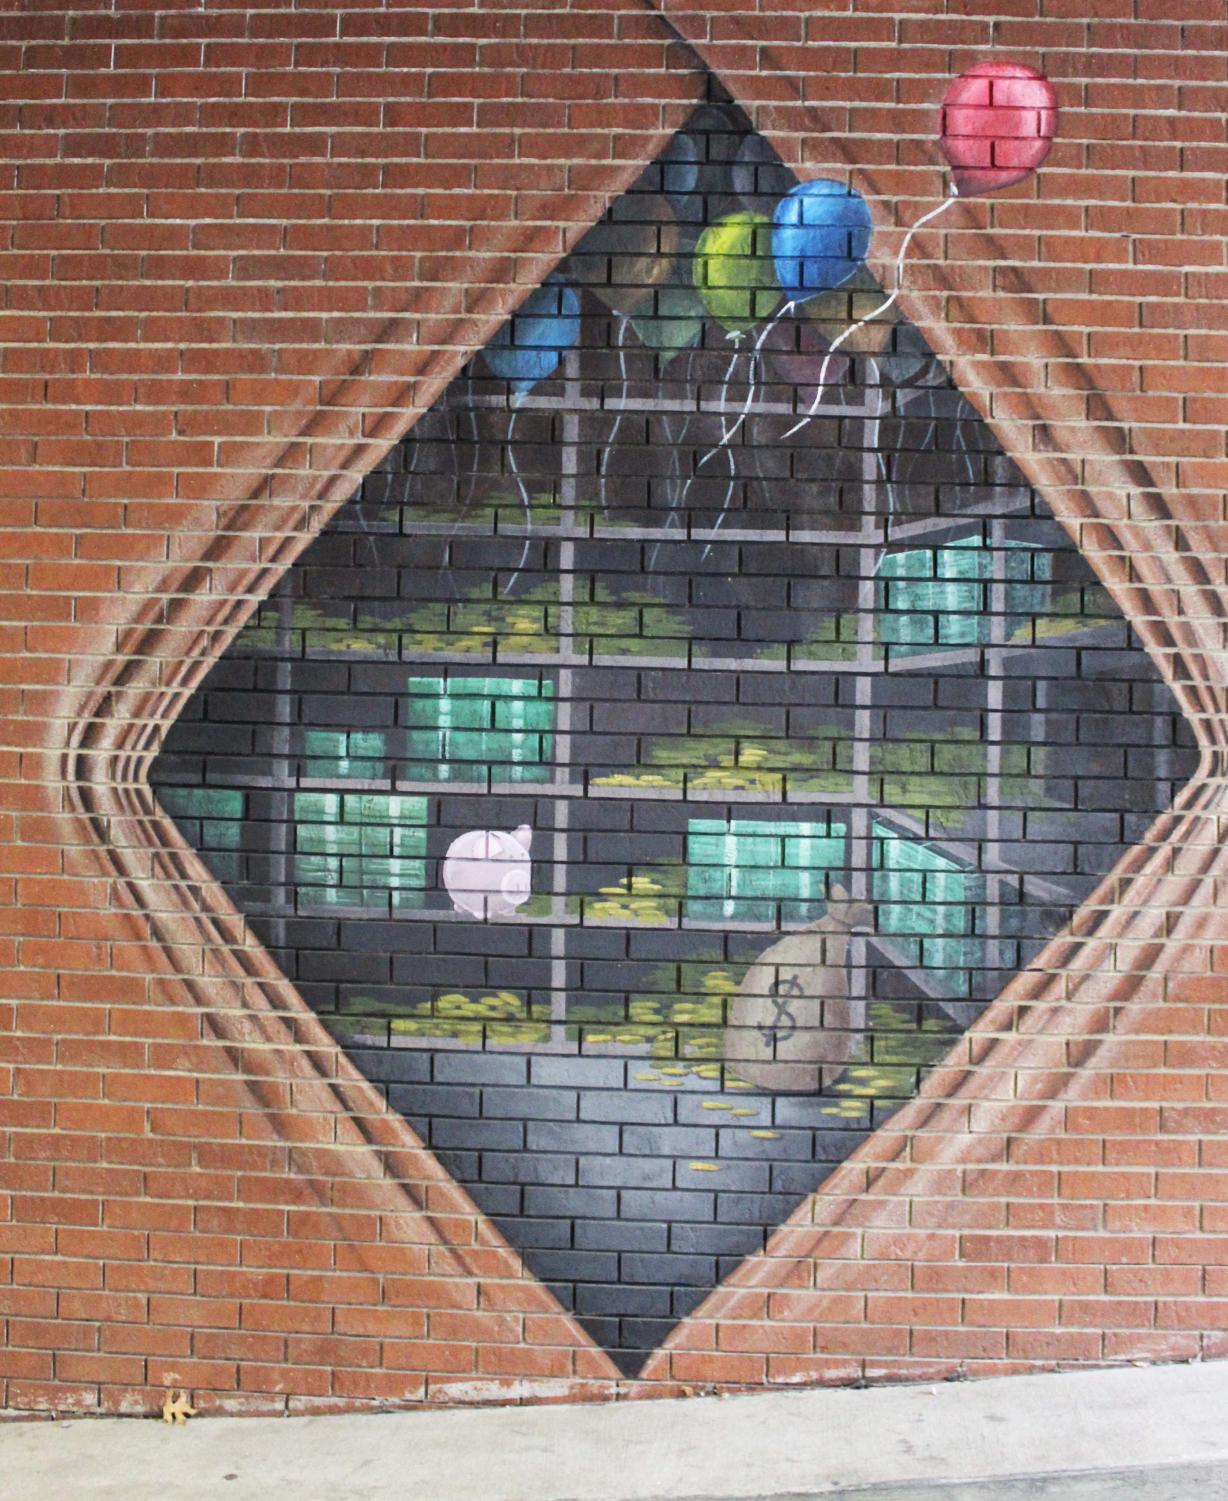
x: 535, y: 338
x: 820, y: 235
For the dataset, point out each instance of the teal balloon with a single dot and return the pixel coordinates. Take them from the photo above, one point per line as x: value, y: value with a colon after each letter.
x: 533, y: 341
x: 674, y: 322
x: 820, y: 235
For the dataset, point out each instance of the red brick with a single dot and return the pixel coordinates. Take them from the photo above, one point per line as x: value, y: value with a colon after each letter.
x: 380, y: 1386
x: 284, y: 1378
x: 1011, y: 1313
x: 87, y: 1368
x: 287, y: 1318
x: 203, y: 237
x: 430, y: 1355
x: 960, y: 1344
x: 1046, y: 1346
x: 195, y: 1375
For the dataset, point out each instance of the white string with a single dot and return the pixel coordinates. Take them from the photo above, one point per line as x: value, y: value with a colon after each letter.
x: 880, y: 463
x: 752, y: 387
x: 622, y: 411
x: 727, y: 437
x: 878, y: 311
x: 677, y: 492
x: 475, y: 427
x: 524, y: 495
x: 735, y: 339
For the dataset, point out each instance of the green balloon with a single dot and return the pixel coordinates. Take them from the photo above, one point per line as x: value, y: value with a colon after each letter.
x: 674, y: 322
x: 734, y: 273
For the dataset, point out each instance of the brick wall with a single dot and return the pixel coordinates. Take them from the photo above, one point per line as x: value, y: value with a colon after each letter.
x: 245, y: 252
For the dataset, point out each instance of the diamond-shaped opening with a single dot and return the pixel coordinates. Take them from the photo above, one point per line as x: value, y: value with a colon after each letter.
x: 645, y: 790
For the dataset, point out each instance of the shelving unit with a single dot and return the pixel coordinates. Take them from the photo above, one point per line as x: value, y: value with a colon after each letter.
x: 875, y: 531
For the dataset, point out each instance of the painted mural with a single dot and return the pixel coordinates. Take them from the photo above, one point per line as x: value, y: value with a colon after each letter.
x: 686, y: 732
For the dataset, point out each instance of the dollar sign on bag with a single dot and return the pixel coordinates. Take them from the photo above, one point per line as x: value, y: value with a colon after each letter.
x: 782, y: 992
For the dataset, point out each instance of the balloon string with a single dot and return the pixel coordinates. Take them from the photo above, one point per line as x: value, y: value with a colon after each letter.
x: 445, y: 559
x: 624, y: 391
x: 752, y: 387
x: 750, y: 395
x: 878, y: 311
x: 524, y: 495
x: 880, y: 463
x: 462, y: 502
x: 736, y: 339
x: 677, y: 490
x: 728, y: 433
x: 475, y: 429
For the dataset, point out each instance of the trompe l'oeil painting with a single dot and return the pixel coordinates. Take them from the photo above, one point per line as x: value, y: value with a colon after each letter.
x: 686, y: 732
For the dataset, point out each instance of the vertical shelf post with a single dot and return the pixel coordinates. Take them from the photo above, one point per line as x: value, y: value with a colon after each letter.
x: 569, y: 435
x: 282, y: 824
x: 868, y: 553
x: 991, y: 793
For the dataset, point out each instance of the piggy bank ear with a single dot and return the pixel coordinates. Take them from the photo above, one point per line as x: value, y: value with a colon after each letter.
x: 514, y: 845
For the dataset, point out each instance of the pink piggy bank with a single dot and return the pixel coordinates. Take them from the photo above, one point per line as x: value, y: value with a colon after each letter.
x: 486, y: 872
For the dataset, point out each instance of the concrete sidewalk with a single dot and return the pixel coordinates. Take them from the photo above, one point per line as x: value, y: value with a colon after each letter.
x: 1158, y: 1434
x: 1169, y: 1483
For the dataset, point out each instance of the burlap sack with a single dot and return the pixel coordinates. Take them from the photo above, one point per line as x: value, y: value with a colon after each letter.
x: 793, y: 1025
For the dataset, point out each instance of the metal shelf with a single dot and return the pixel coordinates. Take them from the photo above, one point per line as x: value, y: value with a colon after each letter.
x: 894, y: 531
x: 891, y: 662
x: 863, y: 661
x: 559, y: 404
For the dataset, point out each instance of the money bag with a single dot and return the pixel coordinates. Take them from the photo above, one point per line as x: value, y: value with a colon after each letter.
x: 486, y: 872
x: 793, y: 1025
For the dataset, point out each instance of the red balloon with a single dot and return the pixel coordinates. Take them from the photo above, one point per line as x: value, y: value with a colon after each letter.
x: 996, y: 125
